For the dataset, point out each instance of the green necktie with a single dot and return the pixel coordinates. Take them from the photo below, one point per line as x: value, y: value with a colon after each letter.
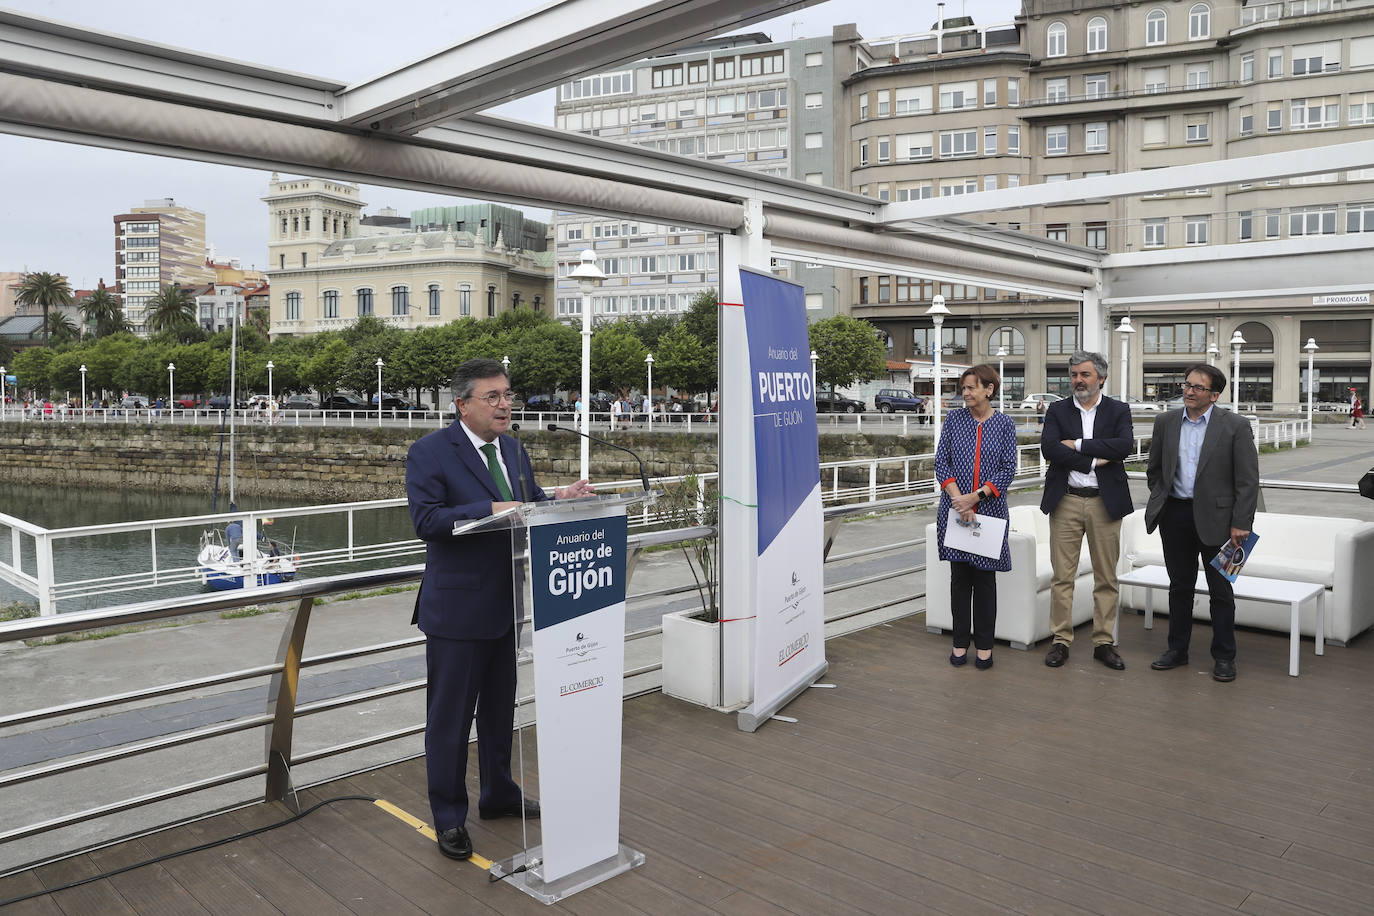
x: 495, y: 467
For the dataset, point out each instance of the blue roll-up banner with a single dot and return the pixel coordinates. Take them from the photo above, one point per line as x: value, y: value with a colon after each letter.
x: 789, y: 634
x: 577, y: 575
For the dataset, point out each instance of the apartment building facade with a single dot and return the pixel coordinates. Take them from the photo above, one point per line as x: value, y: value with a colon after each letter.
x: 158, y: 244
x: 743, y: 100
x: 1102, y: 89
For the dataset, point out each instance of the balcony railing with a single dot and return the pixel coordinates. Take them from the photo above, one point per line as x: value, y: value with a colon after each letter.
x: 1113, y: 94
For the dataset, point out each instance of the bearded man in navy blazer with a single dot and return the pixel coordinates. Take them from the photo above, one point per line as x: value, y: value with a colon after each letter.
x: 1086, y: 441
x: 469, y: 471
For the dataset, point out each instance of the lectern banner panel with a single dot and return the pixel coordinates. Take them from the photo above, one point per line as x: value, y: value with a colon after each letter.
x: 578, y: 586
x: 789, y: 636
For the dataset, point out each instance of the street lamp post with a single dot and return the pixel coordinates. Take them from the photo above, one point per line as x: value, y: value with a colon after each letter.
x: 270, y: 367
x: 4, y: 390
x: 1212, y: 354
x: 937, y: 313
x: 83, y: 390
x: 649, y: 361
x: 587, y: 275
x: 815, y: 357
x: 1311, y: 348
x: 1002, y: 379
x: 1125, y: 330
x: 1237, y: 341
x: 171, y: 389
x: 379, y: 390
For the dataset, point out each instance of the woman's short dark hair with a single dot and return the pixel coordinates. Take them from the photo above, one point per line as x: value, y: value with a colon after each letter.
x: 986, y: 375
x: 1216, y: 380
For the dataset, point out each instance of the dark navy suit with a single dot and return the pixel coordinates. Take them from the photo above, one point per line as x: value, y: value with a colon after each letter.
x: 465, y: 611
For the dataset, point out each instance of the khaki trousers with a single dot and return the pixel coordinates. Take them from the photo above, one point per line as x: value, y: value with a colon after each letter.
x: 1074, y: 518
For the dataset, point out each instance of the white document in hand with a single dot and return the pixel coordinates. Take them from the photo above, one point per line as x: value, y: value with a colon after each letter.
x: 983, y: 536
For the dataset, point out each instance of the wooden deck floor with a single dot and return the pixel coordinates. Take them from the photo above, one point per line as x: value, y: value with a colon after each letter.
x: 913, y: 787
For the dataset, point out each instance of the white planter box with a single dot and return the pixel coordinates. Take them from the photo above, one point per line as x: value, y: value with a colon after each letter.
x: 691, y: 659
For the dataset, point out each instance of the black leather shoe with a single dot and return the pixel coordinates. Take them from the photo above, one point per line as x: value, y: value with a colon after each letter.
x: 1224, y: 670
x: 455, y: 843
x: 529, y: 808
x: 1107, y: 655
x: 983, y: 664
x: 1057, y: 656
x: 957, y: 660
x: 1172, y: 658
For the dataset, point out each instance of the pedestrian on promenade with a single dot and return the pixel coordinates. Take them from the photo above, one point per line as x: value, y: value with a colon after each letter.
x: 1086, y: 440
x: 1203, y: 475
x: 974, y: 463
x: 1356, y: 410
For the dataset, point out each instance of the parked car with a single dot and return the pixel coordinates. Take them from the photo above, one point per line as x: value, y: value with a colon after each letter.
x: 830, y: 402
x: 1033, y: 401
x: 544, y: 403
x: 188, y: 402
x: 134, y: 402
x: 1137, y: 405
x: 299, y: 402
x: 392, y: 402
x: 890, y: 399
x: 220, y: 402
x: 341, y: 401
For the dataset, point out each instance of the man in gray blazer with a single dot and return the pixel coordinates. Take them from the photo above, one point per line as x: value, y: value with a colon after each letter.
x: 1204, y: 485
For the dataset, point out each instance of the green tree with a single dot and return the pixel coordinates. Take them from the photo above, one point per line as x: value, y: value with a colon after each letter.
x: 144, y: 372
x: 30, y: 369
x: 423, y: 359
x: 101, y: 310
x: 683, y: 363
x: 64, y: 371
x: 545, y: 358
x: 326, y: 367
x: 651, y: 328
x: 848, y: 351
x: 193, y: 362
x: 172, y: 310
x: 103, y: 358
x: 44, y: 290
x: 617, y: 358
x: 6, y: 353
x: 702, y: 319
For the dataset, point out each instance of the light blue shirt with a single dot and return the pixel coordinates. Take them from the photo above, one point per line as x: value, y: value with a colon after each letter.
x: 1190, y: 435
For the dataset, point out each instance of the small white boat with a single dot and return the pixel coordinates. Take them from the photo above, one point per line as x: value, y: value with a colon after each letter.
x: 222, y: 567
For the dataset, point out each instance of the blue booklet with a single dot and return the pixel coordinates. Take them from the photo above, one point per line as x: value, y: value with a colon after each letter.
x: 1231, y: 558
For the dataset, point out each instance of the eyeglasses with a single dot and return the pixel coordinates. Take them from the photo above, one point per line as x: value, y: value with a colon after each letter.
x: 495, y: 397
x: 1200, y: 389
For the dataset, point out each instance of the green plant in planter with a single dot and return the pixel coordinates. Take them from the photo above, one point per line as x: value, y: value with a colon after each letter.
x: 688, y: 504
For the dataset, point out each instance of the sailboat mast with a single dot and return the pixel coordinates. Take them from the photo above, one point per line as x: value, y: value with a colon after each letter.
x: 233, y: 400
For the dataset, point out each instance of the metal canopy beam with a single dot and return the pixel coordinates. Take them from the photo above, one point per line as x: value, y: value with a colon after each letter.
x: 1250, y: 270
x: 1337, y: 158
x: 553, y: 44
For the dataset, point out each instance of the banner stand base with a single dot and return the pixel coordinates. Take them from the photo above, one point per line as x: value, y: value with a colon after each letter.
x: 750, y: 718
x: 531, y: 880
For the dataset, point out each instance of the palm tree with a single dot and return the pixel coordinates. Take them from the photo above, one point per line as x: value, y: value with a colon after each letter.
x: 172, y: 309
x: 44, y: 290
x: 61, y: 327
x: 102, y: 309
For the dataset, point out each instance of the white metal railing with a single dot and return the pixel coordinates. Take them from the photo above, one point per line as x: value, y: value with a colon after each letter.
x: 855, y: 479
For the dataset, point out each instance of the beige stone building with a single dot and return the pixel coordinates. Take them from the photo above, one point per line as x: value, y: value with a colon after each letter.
x: 1105, y: 89
x: 156, y: 245
x: 324, y: 274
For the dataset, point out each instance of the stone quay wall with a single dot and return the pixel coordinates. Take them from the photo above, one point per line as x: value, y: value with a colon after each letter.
x: 334, y: 464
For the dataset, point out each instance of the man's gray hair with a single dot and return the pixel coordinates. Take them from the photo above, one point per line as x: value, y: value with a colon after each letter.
x: 472, y: 371
x: 1083, y: 356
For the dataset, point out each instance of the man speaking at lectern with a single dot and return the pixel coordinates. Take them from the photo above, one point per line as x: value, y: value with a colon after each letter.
x: 470, y: 471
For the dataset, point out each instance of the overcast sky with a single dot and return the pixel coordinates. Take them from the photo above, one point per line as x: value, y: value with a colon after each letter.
x: 57, y: 200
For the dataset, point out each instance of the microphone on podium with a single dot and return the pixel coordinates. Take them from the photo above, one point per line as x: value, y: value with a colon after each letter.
x: 643, y: 477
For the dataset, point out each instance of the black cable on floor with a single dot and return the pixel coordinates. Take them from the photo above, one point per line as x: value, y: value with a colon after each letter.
x: 203, y: 846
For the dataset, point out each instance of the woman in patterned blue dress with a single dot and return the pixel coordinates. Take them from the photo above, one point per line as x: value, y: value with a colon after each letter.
x: 974, y: 464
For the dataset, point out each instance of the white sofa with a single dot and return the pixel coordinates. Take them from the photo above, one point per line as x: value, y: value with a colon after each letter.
x: 1023, y: 593
x: 1335, y: 552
